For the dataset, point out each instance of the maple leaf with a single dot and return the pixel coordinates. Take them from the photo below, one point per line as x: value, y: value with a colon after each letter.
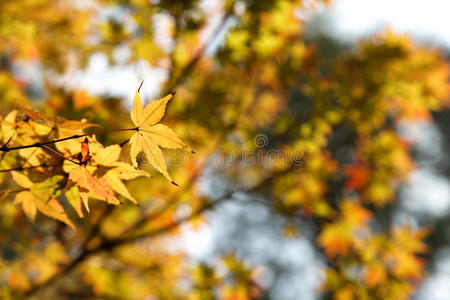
x: 28, y: 204
x: 358, y: 176
x: 34, y: 115
x: 105, y: 168
x: 64, y: 127
x: 8, y: 126
x: 375, y: 274
x: 116, y: 171
x: 88, y: 185
x: 150, y: 136
x: 85, y: 156
x: 74, y: 199
x: 41, y: 197
x: 337, y: 238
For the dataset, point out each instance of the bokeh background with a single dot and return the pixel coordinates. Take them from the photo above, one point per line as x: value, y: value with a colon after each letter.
x: 354, y: 96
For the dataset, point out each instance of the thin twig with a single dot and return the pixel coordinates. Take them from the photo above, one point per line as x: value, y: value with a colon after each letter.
x: 199, y: 54
x: 59, y: 154
x: 6, y: 149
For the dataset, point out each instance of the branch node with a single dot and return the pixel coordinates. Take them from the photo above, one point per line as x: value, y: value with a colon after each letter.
x: 4, y: 147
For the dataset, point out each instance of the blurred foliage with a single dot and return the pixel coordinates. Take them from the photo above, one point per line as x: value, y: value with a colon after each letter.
x: 324, y: 133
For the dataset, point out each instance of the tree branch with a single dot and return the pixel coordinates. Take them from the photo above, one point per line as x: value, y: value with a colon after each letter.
x: 4, y: 148
x: 107, y: 245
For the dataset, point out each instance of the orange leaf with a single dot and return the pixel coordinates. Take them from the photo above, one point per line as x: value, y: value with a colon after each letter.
x: 358, y: 176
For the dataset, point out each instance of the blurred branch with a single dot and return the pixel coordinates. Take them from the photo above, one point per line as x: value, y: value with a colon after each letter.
x: 85, y: 253
x: 176, y: 34
x: 110, y: 244
x: 185, y: 72
x: 228, y: 195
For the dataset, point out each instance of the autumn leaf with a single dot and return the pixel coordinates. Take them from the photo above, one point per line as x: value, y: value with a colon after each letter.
x: 103, y: 165
x: 66, y: 128
x: 375, y: 274
x: 85, y: 156
x: 351, y: 108
x: 89, y: 186
x: 123, y: 171
x: 358, y: 176
x: 337, y: 238
x: 73, y: 197
x: 152, y: 151
x: 41, y: 197
x: 8, y: 126
x: 116, y: 171
x: 22, y: 180
x: 28, y: 204
x: 150, y: 136
x: 34, y: 115
x: 53, y: 209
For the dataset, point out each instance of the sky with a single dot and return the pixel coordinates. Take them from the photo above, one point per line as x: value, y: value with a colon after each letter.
x: 427, y: 21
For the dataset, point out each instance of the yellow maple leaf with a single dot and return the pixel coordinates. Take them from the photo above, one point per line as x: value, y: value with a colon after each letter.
x: 21, y: 180
x: 89, y: 186
x: 8, y: 126
x: 105, y: 167
x: 74, y: 199
x: 117, y: 171
x: 28, y: 204
x: 53, y: 209
x: 37, y: 197
x: 150, y: 136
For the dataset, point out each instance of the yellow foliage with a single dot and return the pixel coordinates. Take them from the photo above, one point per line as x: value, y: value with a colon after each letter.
x: 330, y: 154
